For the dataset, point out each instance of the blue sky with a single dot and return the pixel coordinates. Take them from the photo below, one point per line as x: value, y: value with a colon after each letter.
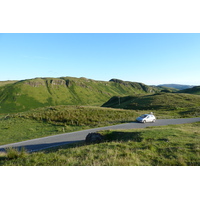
x: 147, y: 57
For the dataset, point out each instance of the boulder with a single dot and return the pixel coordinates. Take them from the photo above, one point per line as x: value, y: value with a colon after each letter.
x: 93, y: 138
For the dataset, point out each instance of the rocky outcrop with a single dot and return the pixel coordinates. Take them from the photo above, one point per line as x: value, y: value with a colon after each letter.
x: 35, y: 83
x: 136, y: 85
x: 58, y: 82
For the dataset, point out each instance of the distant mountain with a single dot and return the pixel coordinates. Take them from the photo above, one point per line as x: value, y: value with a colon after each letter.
x: 165, y: 89
x: 39, y: 92
x: 176, y: 86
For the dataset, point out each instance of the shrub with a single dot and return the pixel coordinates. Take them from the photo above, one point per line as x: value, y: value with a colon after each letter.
x: 13, y: 153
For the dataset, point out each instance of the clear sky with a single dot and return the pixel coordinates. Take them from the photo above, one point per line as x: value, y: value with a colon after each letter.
x: 147, y: 57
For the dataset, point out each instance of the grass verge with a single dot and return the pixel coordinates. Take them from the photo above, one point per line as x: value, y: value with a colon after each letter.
x: 62, y: 119
x: 173, y: 145
x: 58, y: 119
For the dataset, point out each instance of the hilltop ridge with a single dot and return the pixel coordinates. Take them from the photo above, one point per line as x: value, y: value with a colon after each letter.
x: 39, y: 92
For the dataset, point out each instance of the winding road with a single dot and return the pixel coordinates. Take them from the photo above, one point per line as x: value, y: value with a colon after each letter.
x: 67, y: 138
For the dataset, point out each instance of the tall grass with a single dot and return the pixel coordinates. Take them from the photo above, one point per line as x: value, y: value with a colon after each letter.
x: 59, y: 119
x: 13, y: 153
x: 79, y: 115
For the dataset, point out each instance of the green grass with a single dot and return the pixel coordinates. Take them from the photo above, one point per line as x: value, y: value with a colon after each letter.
x: 179, y: 104
x: 54, y: 120
x: 194, y: 90
x: 79, y: 115
x: 58, y: 119
x: 3, y: 83
x: 34, y: 93
x: 173, y: 145
x: 170, y: 145
x: 15, y: 130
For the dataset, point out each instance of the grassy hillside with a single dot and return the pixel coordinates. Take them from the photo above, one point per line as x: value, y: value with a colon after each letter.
x: 2, y: 83
x: 40, y: 92
x: 156, y: 146
x: 194, y: 90
x: 165, y: 89
x: 174, y: 102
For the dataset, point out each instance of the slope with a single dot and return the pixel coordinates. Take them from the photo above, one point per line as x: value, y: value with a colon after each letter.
x: 159, y: 101
x: 194, y: 90
x: 33, y: 93
x: 2, y: 83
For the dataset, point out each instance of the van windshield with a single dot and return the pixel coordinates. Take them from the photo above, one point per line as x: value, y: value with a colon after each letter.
x: 143, y: 116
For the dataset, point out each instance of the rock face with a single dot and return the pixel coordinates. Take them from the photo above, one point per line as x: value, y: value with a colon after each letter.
x: 93, y: 138
x: 35, y: 83
x: 58, y: 82
x: 136, y: 85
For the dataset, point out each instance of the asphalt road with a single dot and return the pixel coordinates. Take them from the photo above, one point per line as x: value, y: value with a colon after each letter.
x: 67, y: 138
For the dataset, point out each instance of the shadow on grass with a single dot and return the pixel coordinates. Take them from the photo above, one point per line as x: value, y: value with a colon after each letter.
x: 123, y: 136
x: 114, y: 136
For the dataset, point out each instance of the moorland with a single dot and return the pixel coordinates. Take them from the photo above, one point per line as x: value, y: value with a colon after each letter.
x: 47, y: 106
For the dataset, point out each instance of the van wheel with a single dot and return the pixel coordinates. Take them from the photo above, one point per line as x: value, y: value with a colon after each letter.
x: 144, y: 121
x: 154, y: 121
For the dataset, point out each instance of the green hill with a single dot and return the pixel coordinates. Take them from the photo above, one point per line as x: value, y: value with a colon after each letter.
x: 33, y: 93
x: 194, y: 90
x: 166, y: 89
x: 159, y: 101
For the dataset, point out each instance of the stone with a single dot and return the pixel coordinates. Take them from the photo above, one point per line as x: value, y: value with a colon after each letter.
x: 93, y: 138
